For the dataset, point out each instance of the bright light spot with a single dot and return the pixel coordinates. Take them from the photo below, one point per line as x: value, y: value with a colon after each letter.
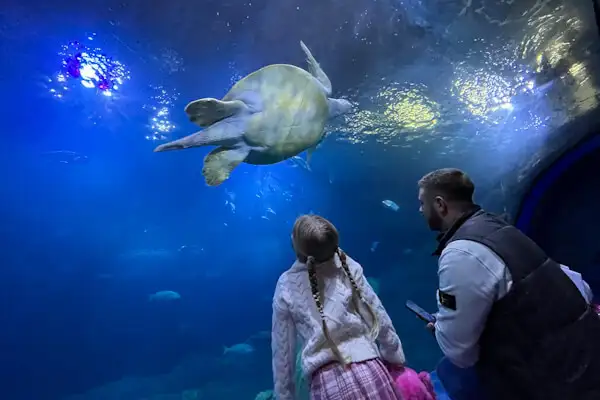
x: 409, y: 107
x: 87, y: 73
x: 91, y: 67
x: 482, y: 92
x: 400, y: 110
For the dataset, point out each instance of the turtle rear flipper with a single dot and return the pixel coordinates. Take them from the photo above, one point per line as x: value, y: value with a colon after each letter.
x: 225, y: 133
x: 219, y: 163
x: 315, y: 70
x: 205, y: 112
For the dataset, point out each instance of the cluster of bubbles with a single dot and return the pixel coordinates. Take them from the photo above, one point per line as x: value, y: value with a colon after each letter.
x: 161, y: 125
x: 234, y: 72
x: 90, y: 67
x: 171, y: 61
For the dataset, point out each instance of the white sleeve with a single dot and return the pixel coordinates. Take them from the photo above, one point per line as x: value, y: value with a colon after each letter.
x: 283, y: 346
x: 587, y: 292
x: 467, y: 289
x: 581, y: 284
x: 390, y: 346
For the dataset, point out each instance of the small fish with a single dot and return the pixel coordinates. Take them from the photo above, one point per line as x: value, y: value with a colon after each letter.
x: 374, y: 246
x: 164, y: 295
x: 240, y: 348
x: 66, y: 157
x: 298, y: 161
x: 231, y: 205
x: 191, y: 249
x: 390, y: 205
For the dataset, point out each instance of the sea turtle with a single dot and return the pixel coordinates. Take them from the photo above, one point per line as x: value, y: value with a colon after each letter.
x: 268, y: 116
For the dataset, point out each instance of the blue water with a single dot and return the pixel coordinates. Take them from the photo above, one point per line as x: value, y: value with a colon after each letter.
x: 93, y: 223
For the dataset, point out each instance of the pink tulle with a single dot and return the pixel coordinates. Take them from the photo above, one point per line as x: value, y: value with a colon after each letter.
x: 413, y: 386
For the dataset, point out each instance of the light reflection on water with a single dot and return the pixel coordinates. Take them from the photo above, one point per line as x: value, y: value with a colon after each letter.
x: 493, y: 97
x: 494, y: 108
x: 521, y: 86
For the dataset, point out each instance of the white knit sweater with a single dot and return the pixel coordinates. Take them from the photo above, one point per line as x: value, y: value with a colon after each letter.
x: 295, y: 316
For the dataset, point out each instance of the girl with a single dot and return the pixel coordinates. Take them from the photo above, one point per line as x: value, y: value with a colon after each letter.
x: 325, y: 300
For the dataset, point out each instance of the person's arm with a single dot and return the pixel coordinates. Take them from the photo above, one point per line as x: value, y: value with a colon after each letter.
x: 468, y: 287
x: 283, y: 346
x: 587, y: 292
x: 581, y: 284
x: 390, y: 346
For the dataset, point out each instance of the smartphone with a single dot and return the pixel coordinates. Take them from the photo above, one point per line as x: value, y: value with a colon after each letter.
x: 422, y: 314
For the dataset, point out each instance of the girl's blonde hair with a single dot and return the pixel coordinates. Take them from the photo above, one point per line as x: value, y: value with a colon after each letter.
x: 316, y: 240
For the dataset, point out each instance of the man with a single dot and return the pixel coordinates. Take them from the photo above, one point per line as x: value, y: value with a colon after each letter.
x: 504, y: 306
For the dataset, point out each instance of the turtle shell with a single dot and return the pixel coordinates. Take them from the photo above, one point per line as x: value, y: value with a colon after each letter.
x: 293, y: 116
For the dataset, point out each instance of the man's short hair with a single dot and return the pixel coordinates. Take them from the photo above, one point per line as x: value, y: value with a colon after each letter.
x: 450, y: 183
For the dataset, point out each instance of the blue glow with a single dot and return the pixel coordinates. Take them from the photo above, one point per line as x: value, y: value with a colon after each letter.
x: 547, y: 179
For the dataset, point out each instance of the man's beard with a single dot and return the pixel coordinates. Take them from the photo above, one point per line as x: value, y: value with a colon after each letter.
x: 435, y: 222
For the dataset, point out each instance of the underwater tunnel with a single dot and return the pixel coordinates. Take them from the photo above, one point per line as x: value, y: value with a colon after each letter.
x: 94, y: 224
x: 559, y: 210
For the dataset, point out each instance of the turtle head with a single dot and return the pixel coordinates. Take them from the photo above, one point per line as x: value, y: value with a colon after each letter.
x: 338, y: 107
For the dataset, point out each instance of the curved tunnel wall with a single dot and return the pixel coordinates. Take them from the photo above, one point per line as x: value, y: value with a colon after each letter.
x: 561, y: 210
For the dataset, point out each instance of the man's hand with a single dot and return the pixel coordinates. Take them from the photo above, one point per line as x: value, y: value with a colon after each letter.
x: 431, y: 327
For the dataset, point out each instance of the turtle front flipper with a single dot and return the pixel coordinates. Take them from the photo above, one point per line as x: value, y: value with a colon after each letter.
x: 315, y: 70
x: 205, y: 112
x: 219, y: 163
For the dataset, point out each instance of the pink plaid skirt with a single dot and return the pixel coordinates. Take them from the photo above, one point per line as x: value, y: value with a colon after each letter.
x: 357, y: 381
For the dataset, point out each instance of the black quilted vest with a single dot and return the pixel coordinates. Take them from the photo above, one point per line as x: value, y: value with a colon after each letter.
x: 541, y: 340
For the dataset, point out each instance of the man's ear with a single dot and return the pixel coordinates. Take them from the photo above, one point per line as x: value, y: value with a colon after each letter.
x: 440, y: 204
